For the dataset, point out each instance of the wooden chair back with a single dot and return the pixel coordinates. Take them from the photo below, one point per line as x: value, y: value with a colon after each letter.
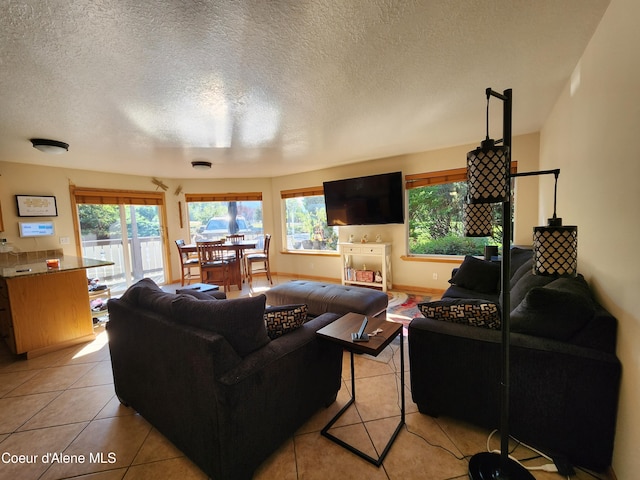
x: 267, y: 243
x: 261, y: 257
x: 186, y: 263
x: 210, y: 252
x: 235, y: 237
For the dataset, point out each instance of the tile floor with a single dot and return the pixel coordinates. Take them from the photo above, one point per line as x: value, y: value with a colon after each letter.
x: 59, y: 412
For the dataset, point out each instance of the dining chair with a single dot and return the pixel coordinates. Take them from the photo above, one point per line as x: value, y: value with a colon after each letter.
x: 261, y: 259
x: 186, y: 264
x: 235, y: 237
x: 215, y: 267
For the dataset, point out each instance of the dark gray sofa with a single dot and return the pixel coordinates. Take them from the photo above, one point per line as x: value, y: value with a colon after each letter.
x: 205, y: 374
x: 565, y: 375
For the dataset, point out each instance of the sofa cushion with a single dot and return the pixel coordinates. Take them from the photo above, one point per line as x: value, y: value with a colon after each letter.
x: 475, y: 312
x: 478, y: 275
x: 558, y: 310
x: 132, y: 294
x: 284, y: 319
x: 526, y: 280
x: 156, y: 300
x: 518, y: 257
x: 524, y: 267
x: 238, y: 320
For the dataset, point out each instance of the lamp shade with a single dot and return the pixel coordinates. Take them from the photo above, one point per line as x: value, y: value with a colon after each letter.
x: 478, y: 220
x: 487, y: 173
x: 555, y: 250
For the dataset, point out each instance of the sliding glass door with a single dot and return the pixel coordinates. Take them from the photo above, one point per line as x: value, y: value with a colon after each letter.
x: 126, y: 230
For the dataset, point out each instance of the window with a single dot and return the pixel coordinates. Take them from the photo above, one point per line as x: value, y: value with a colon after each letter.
x: 214, y: 216
x: 306, y: 221
x: 436, y: 205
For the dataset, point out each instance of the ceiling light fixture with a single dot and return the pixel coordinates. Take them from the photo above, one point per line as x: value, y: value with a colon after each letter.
x: 201, y: 165
x: 49, y: 146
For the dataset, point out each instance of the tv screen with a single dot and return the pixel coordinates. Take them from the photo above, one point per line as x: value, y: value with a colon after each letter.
x: 371, y: 200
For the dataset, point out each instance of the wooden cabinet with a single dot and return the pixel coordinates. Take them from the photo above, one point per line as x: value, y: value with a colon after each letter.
x: 41, y: 313
x: 361, y: 261
x: 6, y: 321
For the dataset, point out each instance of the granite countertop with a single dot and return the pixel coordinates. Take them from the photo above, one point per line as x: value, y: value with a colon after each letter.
x: 39, y: 267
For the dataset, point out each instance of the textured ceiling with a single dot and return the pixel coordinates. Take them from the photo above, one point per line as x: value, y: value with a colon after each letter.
x: 268, y: 88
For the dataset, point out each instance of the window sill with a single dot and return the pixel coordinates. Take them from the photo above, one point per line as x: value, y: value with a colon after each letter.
x: 433, y: 258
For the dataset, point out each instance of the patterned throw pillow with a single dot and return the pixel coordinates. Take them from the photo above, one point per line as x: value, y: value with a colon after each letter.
x: 283, y: 319
x: 477, y: 313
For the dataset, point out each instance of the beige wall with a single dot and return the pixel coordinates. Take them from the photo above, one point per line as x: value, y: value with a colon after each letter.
x: 31, y: 180
x: 592, y: 135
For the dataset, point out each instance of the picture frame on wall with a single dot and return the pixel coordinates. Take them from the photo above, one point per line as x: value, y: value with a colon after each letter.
x: 36, y: 206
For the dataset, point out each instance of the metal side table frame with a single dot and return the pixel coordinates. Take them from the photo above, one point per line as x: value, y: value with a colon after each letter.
x: 340, y: 332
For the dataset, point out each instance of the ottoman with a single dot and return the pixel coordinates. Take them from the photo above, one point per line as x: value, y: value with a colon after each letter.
x: 329, y: 297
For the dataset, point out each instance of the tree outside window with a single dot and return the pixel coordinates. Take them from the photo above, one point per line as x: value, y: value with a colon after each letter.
x: 100, y: 222
x: 306, y: 224
x: 436, y: 224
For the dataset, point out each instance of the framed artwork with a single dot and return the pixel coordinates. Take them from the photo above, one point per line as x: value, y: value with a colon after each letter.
x: 36, y: 206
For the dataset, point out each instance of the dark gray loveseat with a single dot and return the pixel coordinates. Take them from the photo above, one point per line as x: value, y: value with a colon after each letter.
x: 227, y: 399
x: 564, y: 372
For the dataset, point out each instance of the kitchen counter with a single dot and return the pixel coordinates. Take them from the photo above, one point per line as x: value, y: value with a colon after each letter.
x: 45, y: 309
x: 39, y: 267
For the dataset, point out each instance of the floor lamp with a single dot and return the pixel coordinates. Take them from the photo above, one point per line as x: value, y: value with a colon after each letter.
x: 555, y: 253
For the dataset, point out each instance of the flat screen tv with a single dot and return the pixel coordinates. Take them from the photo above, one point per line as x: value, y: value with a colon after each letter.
x: 370, y: 200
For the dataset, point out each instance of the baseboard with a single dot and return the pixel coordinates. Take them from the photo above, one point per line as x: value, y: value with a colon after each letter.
x: 308, y: 277
x: 37, y: 352
x: 434, y: 292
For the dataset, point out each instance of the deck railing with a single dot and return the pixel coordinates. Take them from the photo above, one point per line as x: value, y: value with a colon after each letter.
x: 146, y: 259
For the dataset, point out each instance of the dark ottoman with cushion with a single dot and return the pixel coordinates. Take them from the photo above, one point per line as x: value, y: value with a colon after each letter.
x: 329, y: 297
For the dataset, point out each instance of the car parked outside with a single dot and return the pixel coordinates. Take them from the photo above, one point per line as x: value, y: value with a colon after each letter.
x: 218, y: 227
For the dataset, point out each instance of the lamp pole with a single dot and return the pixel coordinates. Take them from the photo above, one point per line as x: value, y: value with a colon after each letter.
x: 505, y: 290
x: 483, y: 466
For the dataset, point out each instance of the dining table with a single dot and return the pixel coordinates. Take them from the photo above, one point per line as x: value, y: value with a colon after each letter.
x: 238, y: 247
